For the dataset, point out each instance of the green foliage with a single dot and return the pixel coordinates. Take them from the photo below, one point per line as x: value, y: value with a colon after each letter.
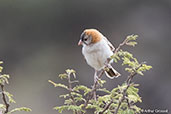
x: 6, y: 96
x: 20, y: 109
x: 132, y: 63
x: 69, y: 107
x: 1, y: 68
x: 130, y: 40
x: 10, y: 97
x: 129, y: 60
x: 58, y: 85
x: 78, y: 88
x: 2, y: 107
x: 132, y: 94
x: 4, y: 79
x: 120, y: 100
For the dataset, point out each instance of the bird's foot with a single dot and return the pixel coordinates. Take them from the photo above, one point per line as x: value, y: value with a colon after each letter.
x: 96, y: 79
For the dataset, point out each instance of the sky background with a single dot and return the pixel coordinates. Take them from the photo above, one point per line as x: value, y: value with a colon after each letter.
x: 38, y: 41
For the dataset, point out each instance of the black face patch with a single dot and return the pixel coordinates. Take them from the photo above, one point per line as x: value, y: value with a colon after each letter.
x: 82, y: 36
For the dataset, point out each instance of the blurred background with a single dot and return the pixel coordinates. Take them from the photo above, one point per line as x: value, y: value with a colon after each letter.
x: 38, y: 41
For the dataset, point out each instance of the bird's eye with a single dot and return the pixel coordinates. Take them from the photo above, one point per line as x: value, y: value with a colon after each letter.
x: 85, y: 39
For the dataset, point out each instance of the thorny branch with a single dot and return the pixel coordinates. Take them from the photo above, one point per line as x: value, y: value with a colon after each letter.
x: 70, y: 90
x: 115, y: 100
x: 128, y: 83
x: 106, y: 107
x: 120, y: 45
x: 95, y: 86
x: 4, y: 99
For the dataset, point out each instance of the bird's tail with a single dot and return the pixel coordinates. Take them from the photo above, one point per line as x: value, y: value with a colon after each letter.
x: 111, y: 72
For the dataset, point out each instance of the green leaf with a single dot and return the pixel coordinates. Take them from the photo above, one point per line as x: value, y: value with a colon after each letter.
x: 104, y: 90
x: 68, y: 107
x: 137, y: 109
x: 101, y: 82
x: 76, y: 94
x: 125, y: 54
x: 113, y: 105
x: 131, y: 43
x: 74, y: 108
x: 127, y: 61
x: 144, y: 67
x: 68, y: 101
x: 115, y: 57
x: 4, y: 79
x: 11, y: 100
x: 63, y: 76
x: 62, y: 86
x: 130, y: 70
x: 147, y: 67
x: 53, y: 83
x: 2, y: 107
x: 128, y: 111
x: 133, y: 98
x: 83, y: 88
x: 58, y: 85
x: 114, y: 93
x: 133, y: 88
x: 104, y: 98
x: 20, y: 109
x: 140, y: 73
x: 64, y: 96
x: 1, y: 62
x: 94, y: 106
x: 60, y: 108
x: 68, y: 73
x: 131, y: 37
x: 122, y: 88
x: 71, y: 71
x: 91, y: 106
x: 132, y: 93
x: 1, y: 68
x: 79, y: 99
x: 114, y: 90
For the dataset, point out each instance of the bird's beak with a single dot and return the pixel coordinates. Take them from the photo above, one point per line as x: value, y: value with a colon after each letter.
x: 80, y: 42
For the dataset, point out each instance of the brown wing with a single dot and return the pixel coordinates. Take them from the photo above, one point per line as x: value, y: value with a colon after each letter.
x: 110, y: 45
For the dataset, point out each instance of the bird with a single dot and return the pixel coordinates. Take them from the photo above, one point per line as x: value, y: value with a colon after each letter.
x: 97, y: 50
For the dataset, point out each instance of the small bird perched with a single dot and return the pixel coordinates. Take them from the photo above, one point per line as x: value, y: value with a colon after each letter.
x: 96, y: 50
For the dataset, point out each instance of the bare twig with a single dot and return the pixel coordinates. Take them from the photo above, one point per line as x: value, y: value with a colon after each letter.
x: 4, y: 99
x: 70, y: 90
x: 128, y: 103
x: 122, y: 99
x: 95, y: 86
x: 106, y: 107
x: 120, y: 45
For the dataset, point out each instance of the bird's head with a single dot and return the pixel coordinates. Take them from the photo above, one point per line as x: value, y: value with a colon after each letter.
x: 90, y: 36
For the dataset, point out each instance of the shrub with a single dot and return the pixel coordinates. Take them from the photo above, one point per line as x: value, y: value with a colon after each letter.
x: 120, y: 100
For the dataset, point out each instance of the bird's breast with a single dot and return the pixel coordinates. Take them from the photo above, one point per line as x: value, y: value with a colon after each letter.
x: 96, y: 55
